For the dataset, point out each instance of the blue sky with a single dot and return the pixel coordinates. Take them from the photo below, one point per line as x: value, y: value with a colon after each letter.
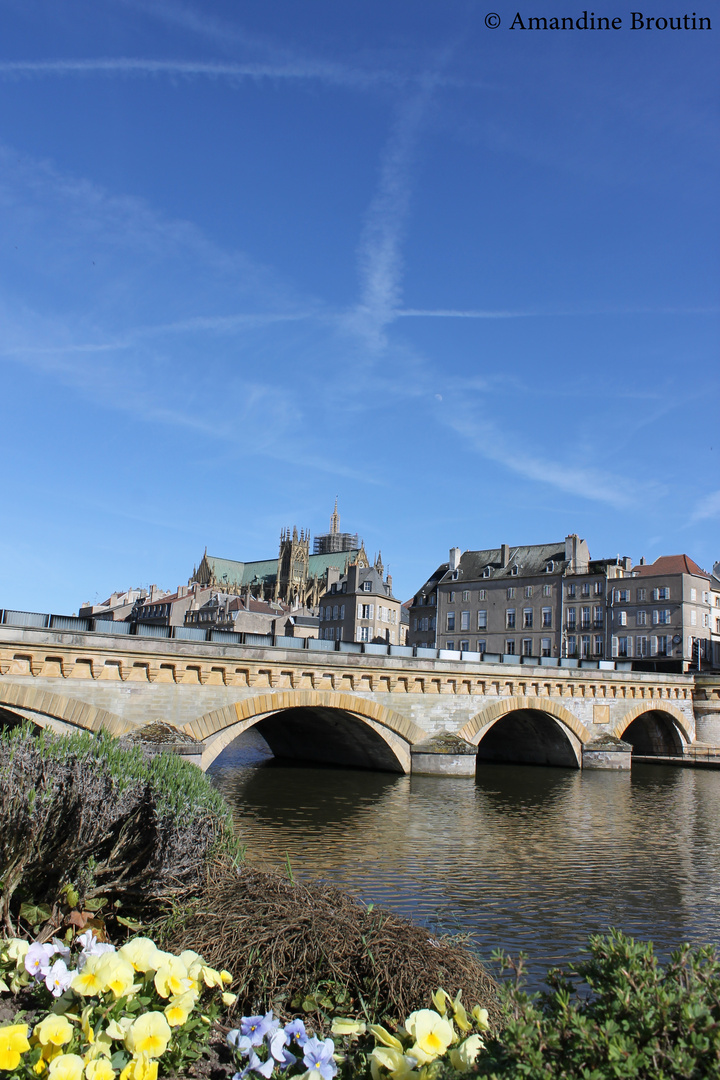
x: 257, y: 255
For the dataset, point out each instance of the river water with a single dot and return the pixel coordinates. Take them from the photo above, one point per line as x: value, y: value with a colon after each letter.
x: 525, y: 858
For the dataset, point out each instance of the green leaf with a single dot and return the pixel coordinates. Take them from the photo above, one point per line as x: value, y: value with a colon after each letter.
x: 132, y: 924
x: 35, y: 913
x: 95, y: 904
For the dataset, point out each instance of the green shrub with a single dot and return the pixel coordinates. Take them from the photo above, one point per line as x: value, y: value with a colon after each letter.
x: 83, y: 814
x: 620, y: 1014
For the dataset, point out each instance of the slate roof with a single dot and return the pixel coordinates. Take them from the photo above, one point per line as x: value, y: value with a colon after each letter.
x: 670, y: 564
x: 530, y: 559
x: 429, y: 586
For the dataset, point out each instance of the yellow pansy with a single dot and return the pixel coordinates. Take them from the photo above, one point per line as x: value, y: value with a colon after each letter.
x: 89, y: 981
x: 16, y: 949
x: 116, y: 974
x: 99, y: 1069
x: 229, y: 999
x: 53, y: 1029
x: 118, y: 1029
x: 66, y: 1067
x: 440, y: 1000
x: 13, y: 1043
x: 211, y: 977
x: 480, y: 1016
x: 175, y: 1013
x: 226, y: 977
x: 382, y: 1035
x: 463, y: 1056
x: 459, y: 1014
x: 342, y: 1026
x: 171, y: 978
x: 432, y: 1034
x: 101, y: 1047
x: 399, y: 1065
x: 142, y: 953
x: 149, y: 1034
x: 140, y: 1068
x: 189, y: 957
x: 4, y: 988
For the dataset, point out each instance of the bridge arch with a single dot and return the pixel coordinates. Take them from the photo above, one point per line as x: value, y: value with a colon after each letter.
x: 218, y: 728
x: 654, y: 730
x: 58, y: 712
x: 558, y: 735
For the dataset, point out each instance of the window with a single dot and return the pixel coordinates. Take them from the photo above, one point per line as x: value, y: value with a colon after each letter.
x: 661, y: 594
x: 432, y: 622
x: 585, y: 618
x: 464, y: 646
x: 571, y: 590
x: 482, y: 594
x: 597, y: 616
x: 641, y: 618
x: 510, y: 618
x: 641, y: 596
x: 486, y: 572
x: 450, y: 645
x: 693, y: 617
x: 622, y: 618
x: 663, y: 645
x: 622, y: 595
x: 432, y: 600
x: 547, y: 616
x: 586, y: 588
x: 515, y: 570
x: 598, y: 589
x: 571, y: 645
x: 693, y: 594
x: 545, y: 646
x: 450, y: 621
x: 549, y: 568
x: 511, y: 593
x: 527, y: 618
x: 661, y: 616
x: 585, y: 647
x: 598, y: 645
x: 528, y: 592
x: 342, y: 611
x: 366, y: 611
x: 622, y: 649
x: 367, y: 586
x: 571, y: 618
x: 363, y: 633
x: 335, y: 612
x: 510, y: 646
x: 641, y: 646
x: 451, y: 597
x: 466, y: 594
x: 464, y: 620
x: 527, y: 646
x: 482, y: 646
x: 333, y: 587
x: 547, y: 590
x: 482, y: 620
x: 322, y: 614
x: 706, y: 620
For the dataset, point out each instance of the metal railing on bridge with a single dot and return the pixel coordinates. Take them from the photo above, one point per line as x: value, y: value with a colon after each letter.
x: 200, y: 635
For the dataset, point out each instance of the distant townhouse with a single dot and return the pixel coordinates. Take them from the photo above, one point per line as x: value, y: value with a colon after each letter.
x: 360, y: 606
x: 422, y: 611
x: 665, y: 613
x: 536, y: 600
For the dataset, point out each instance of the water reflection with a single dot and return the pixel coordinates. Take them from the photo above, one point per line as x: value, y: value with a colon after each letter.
x: 527, y: 858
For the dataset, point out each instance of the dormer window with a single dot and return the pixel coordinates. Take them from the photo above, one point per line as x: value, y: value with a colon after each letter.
x: 366, y: 586
x: 549, y: 568
x: 486, y: 572
x: 515, y: 569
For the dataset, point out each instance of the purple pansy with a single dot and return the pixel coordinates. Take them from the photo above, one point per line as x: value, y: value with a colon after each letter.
x: 296, y: 1030
x: 37, y: 960
x: 318, y: 1056
x: 257, y: 1027
x: 239, y: 1042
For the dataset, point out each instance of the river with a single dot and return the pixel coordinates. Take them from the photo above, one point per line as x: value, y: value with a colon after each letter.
x: 526, y: 858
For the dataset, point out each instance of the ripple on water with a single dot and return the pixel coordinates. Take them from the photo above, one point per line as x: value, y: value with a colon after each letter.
x: 527, y: 858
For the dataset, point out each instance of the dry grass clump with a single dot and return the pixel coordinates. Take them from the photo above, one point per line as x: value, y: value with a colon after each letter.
x: 293, y: 946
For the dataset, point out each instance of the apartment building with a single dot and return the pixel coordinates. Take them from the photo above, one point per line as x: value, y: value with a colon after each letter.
x: 536, y: 600
x: 422, y: 611
x: 360, y: 606
x: 666, y: 613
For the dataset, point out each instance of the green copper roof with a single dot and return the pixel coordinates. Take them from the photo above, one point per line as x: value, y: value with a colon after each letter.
x: 232, y: 572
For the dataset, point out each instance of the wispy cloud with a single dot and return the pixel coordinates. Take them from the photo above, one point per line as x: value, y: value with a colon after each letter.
x: 487, y: 439
x: 707, y: 508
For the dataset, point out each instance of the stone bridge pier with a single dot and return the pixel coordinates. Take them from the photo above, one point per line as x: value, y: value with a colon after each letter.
x: 394, y: 713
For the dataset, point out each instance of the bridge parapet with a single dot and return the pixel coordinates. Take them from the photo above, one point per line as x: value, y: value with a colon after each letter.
x: 108, y: 679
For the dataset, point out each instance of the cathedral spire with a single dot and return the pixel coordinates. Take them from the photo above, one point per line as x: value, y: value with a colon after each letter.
x: 335, y: 521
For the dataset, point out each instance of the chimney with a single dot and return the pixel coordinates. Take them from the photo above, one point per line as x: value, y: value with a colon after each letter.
x: 455, y: 554
x: 504, y: 554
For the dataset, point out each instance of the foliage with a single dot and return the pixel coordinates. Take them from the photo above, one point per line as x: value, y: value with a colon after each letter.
x: 313, y: 950
x: 84, y: 818
x: 106, y: 1012
x: 619, y: 1014
x: 432, y: 1043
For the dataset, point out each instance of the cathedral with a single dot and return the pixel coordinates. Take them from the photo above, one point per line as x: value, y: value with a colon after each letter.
x: 296, y: 577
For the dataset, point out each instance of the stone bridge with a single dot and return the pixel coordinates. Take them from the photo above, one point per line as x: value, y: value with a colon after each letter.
x: 396, y: 713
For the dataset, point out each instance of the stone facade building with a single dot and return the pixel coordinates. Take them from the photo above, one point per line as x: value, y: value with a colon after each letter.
x: 359, y: 606
x: 295, y: 577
